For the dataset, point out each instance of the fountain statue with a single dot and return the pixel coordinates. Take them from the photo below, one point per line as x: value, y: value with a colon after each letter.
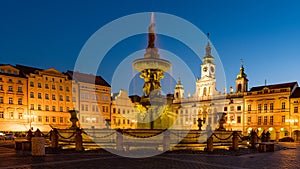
x: 151, y: 67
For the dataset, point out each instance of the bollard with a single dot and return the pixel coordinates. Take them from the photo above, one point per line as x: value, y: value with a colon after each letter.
x: 235, y: 141
x: 37, y: 144
x: 210, y: 144
x: 166, y: 141
x: 253, y: 139
x: 268, y: 136
x: 29, y: 135
x: 263, y: 137
x: 78, y: 140
x: 54, y: 138
x: 119, y: 140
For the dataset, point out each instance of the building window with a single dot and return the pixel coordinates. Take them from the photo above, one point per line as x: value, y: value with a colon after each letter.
x: 265, y: 120
x: 259, y: 120
x: 74, y: 99
x: 61, y: 109
x: 74, y: 90
x: 39, y: 85
x: 231, y: 108
x: 114, y: 110
x: 249, y: 107
x: 60, y: 97
x: 259, y: 108
x: 93, y: 108
x: 47, y: 107
x: 53, y: 108
x: 97, y: 109
x: 20, y: 115
x: 249, y: 119
x: 82, y: 107
x: 53, y: 119
x: 283, y: 106
x: 1, y: 100
x: 39, y: 95
x: 67, y: 98
x: 20, y: 101
x: 47, y: 96
x: 61, y: 119
x: 19, y: 82
x: 46, y: 86
x: 39, y: 107
x: 239, y: 119
x: 1, y: 115
x: 296, y: 109
x: 239, y: 108
x: 31, y: 95
x: 271, y: 107
x: 53, y: 97
x: 40, y: 119
x: 10, y: 88
x: 60, y: 88
x: 271, y: 120
x: 265, y: 107
x: 119, y: 111
x: 1, y: 87
x: 20, y: 89
x: 31, y: 84
x: 53, y: 87
x: 31, y: 106
x: 67, y: 109
x: 10, y: 100
x: 283, y: 119
x: 67, y: 89
x: 86, y: 107
x: 11, y: 115
x: 47, y: 119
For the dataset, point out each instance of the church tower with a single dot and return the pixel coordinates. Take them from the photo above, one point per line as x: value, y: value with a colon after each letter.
x: 179, y: 90
x: 206, y: 85
x: 241, y: 81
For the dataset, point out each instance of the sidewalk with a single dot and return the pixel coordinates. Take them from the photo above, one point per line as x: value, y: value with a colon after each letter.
x: 288, y: 158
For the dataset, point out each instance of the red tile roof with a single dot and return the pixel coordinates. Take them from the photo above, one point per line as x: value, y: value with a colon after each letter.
x: 87, y: 78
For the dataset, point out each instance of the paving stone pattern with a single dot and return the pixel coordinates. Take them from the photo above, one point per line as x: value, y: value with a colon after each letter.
x: 286, y: 158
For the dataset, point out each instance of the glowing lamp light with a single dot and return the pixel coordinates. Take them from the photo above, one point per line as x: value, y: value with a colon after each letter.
x: 271, y: 129
x: 281, y: 129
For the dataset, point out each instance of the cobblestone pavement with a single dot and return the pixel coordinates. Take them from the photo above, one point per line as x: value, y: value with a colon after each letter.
x: 285, y: 158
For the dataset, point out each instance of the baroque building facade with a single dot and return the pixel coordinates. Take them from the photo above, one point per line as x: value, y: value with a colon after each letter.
x: 13, y: 99
x: 91, y: 99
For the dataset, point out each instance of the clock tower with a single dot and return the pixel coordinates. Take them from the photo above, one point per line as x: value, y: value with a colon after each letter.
x: 206, y: 85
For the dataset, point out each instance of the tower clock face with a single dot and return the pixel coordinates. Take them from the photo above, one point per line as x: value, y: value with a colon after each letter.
x: 212, y: 69
x: 205, y: 69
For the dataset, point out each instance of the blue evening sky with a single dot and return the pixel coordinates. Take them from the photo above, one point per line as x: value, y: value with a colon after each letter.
x: 266, y: 34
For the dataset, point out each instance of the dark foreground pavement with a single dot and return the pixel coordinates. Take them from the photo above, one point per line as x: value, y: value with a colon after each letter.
x: 285, y: 158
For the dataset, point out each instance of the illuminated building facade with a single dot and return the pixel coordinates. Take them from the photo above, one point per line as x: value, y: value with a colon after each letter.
x: 207, y: 103
x: 123, y: 114
x: 91, y: 98
x: 13, y: 99
x: 272, y: 108
x: 49, y: 98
